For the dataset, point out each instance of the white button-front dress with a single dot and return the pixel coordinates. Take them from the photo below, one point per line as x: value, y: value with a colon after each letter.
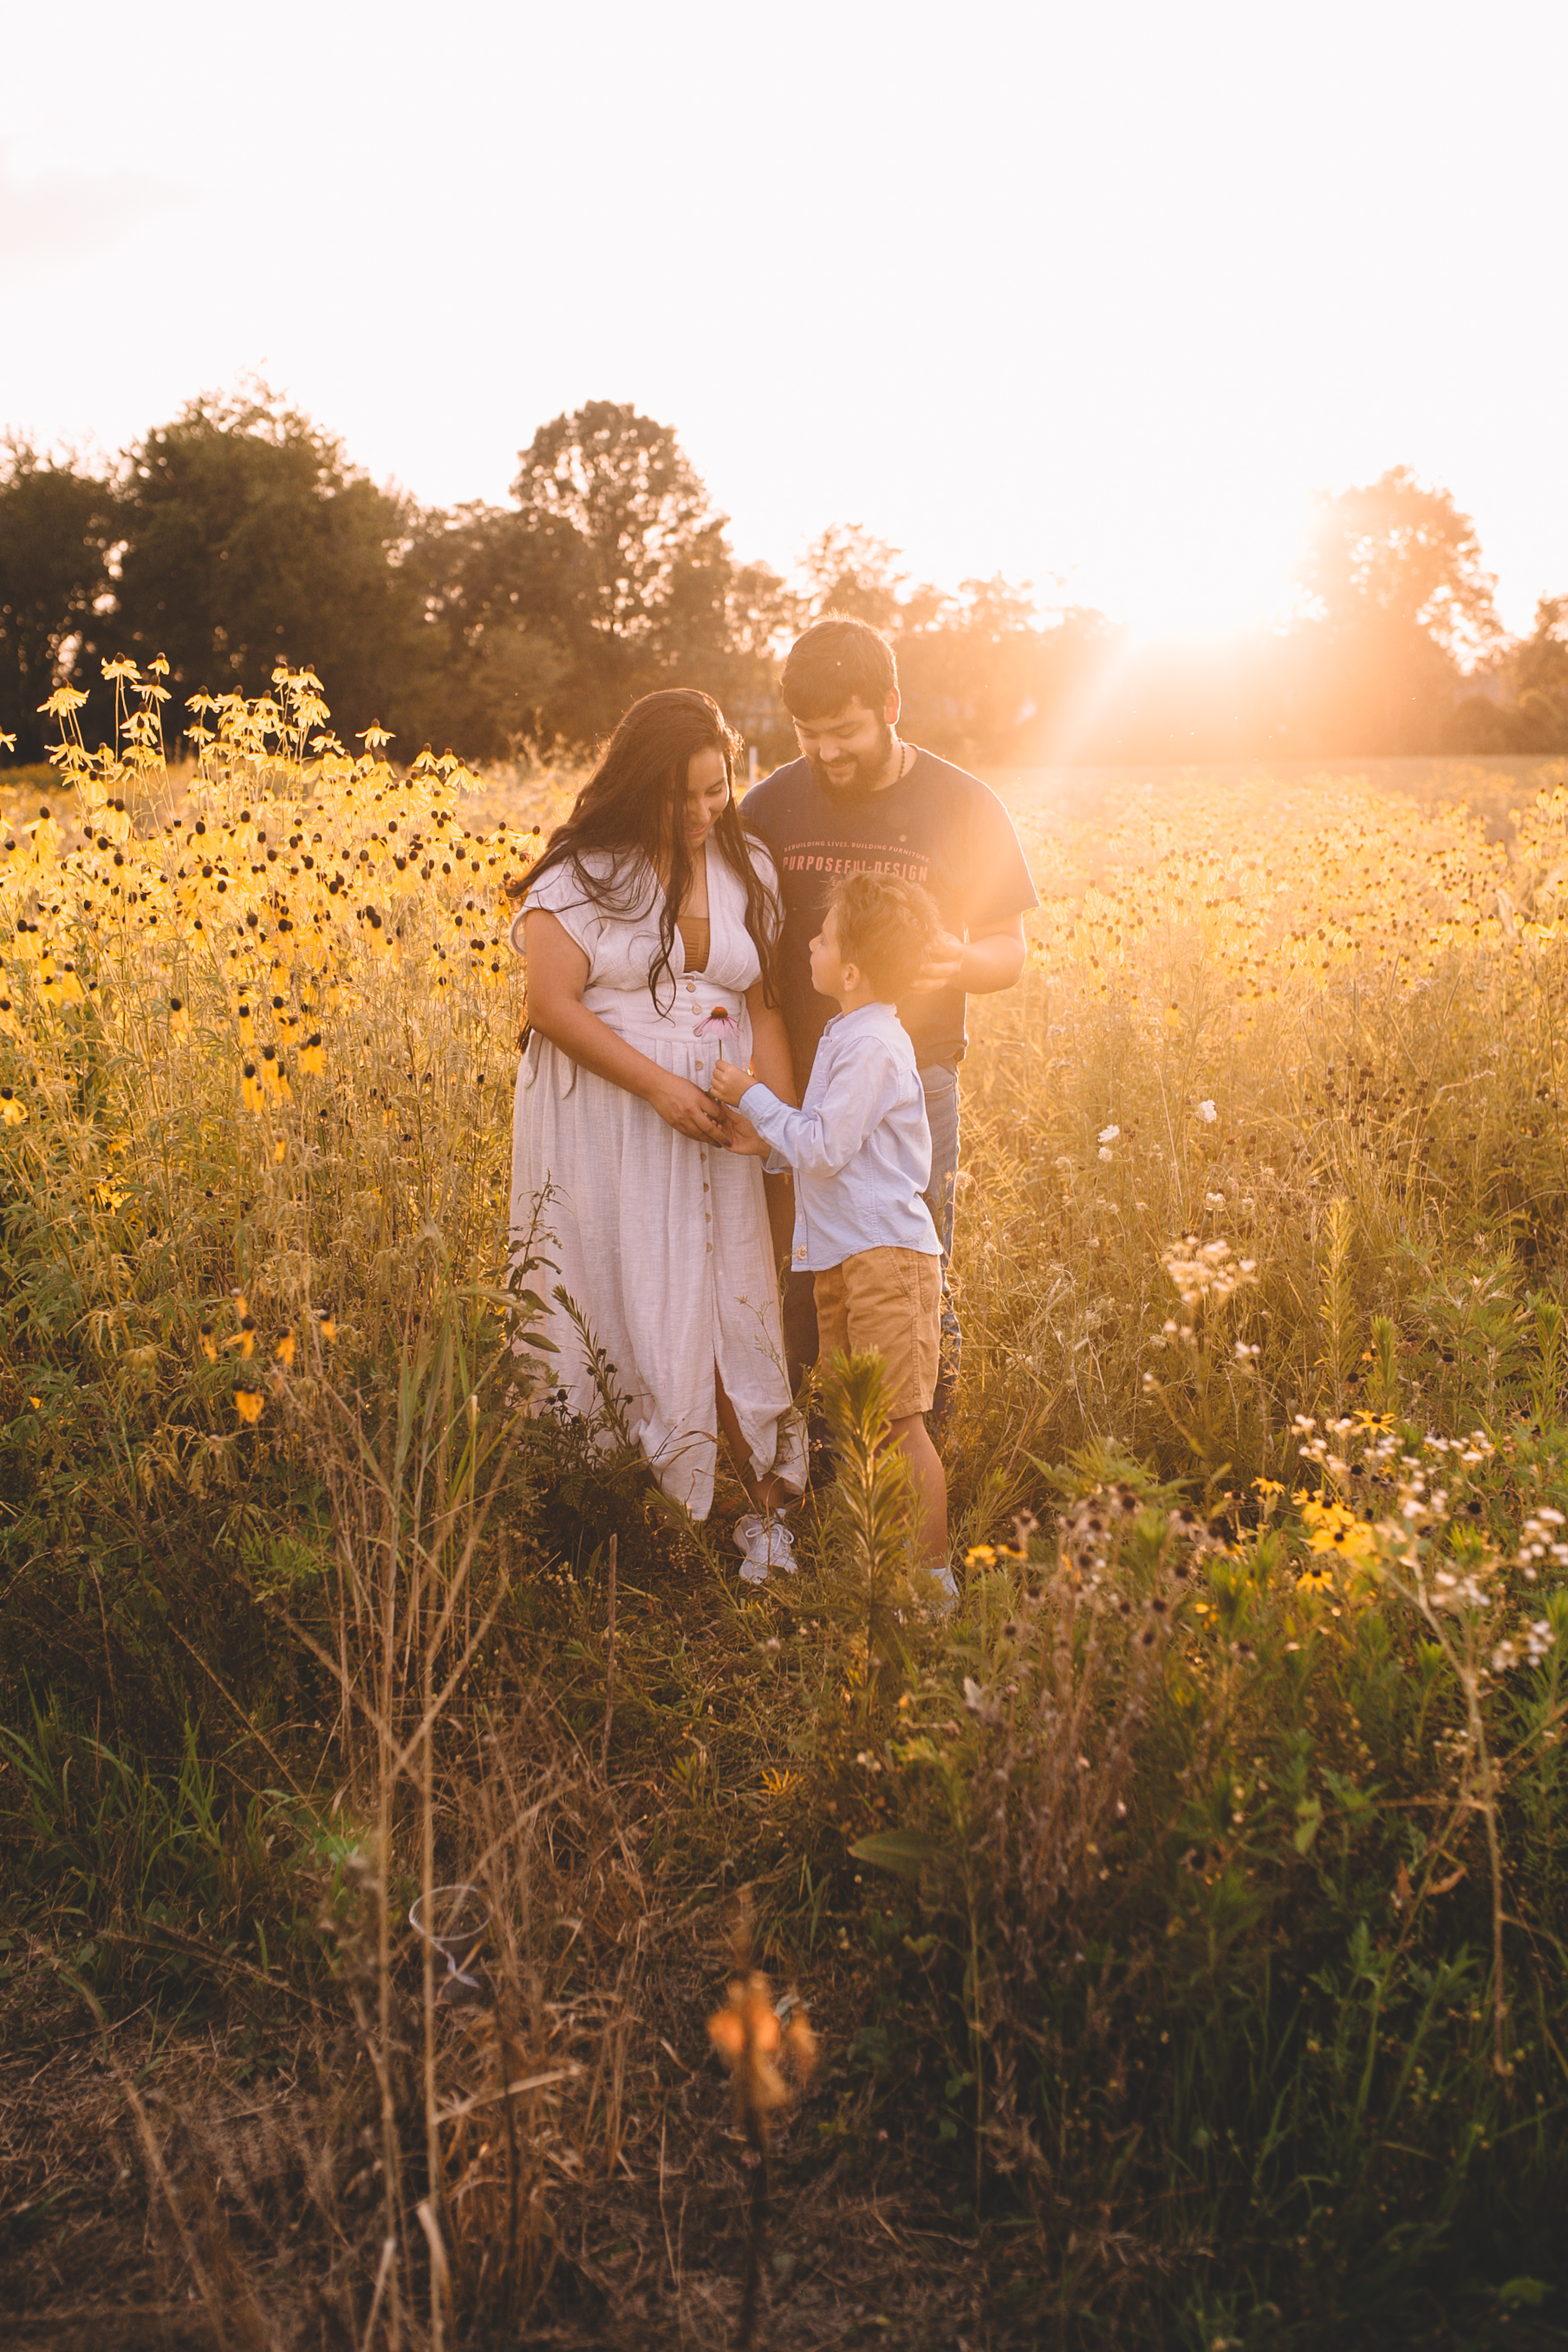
x: 659, y: 1242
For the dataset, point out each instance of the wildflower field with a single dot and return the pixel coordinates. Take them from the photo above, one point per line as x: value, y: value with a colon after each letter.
x: 1169, y: 1950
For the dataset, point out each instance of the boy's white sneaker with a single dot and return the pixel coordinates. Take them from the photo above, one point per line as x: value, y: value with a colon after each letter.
x: 767, y: 1543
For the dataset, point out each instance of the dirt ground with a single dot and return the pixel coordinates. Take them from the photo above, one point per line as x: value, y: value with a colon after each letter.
x: 153, y: 2176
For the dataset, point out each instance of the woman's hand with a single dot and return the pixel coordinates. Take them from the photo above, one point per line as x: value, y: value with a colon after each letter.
x: 558, y: 974
x: 728, y: 1082
x: 744, y: 1139
x: 687, y: 1110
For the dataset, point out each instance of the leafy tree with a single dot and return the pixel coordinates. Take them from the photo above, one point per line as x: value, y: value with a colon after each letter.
x: 982, y: 677
x: 849, y: 569
x: 974, y: 670
x: 249, y: 539
x: 502, y: 667
x: 1398, y: 602
x: 55, y: 526
x: 611, y: 575
x: 1398, y: 553
x: 1524, y: 702
x: 1536, y: 670
x: 618, y: 550
x: 761, y: 616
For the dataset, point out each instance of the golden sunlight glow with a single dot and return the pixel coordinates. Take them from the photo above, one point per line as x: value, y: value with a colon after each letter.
x: 1095, y: 296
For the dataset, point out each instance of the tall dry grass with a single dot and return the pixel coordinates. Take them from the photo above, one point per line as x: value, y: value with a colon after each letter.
x: 1258, y: 1228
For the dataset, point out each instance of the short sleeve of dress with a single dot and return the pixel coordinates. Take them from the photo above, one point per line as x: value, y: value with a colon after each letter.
x: 561, y: 894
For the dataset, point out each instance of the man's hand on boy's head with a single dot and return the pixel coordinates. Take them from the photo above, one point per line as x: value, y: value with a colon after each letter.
x: 940, y: 970
x: 728, y: 1083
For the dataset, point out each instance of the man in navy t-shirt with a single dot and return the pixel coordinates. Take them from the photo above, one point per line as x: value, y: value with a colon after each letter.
x: 858, y: 800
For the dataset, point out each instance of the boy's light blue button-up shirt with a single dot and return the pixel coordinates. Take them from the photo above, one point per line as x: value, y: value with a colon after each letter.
x: 859, y: 1145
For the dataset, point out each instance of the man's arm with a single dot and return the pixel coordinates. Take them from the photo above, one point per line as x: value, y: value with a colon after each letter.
x: 979, y: 966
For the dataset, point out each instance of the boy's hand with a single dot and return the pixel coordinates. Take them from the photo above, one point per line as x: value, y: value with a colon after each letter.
x: 728, y: 1083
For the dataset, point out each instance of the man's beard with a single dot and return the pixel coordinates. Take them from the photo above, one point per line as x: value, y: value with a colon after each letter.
x: 868, y: 768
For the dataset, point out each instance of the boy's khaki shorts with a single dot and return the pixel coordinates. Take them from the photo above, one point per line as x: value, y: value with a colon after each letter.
x: 889, y: 1299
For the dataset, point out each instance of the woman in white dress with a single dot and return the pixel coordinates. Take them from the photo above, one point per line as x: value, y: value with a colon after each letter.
x: 651, y: 925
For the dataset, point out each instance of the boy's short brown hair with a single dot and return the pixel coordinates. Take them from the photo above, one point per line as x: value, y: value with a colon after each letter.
x: 887, y: 926
x: 839, y: 660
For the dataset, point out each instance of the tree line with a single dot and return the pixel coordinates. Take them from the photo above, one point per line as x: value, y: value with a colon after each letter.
x: 241, y: 534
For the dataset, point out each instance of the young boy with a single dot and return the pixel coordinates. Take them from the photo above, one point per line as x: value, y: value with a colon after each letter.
x: 861, y: 1151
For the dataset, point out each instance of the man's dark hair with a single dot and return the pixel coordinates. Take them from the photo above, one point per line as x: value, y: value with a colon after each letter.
x: 887, y: 926
x: 840, y: 660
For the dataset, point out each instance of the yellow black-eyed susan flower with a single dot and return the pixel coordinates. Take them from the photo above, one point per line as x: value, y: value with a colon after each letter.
x: 326, y: 1324
x: 272, y: 1076
x: 245, y: 1337
x: 208, y: 1344
x: 284, y: 1351
x: 1315, y: 1579
x: 248, y: 1403
x: 12, y: 1112
x: 252, y: 1093
x: 313, y: 1057
x: 178, y: 1019
x: 246, y: 1027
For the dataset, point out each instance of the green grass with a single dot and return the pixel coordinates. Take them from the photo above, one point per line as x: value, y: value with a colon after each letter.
x: 1184, y: 1922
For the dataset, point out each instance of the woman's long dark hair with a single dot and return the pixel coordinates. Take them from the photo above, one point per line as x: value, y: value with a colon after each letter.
x: 632, y: 809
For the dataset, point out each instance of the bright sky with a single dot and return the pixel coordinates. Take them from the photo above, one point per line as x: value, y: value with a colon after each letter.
x: 1099, y: 293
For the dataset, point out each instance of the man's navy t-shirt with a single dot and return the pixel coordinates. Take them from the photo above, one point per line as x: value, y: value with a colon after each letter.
x: 937, y: 826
